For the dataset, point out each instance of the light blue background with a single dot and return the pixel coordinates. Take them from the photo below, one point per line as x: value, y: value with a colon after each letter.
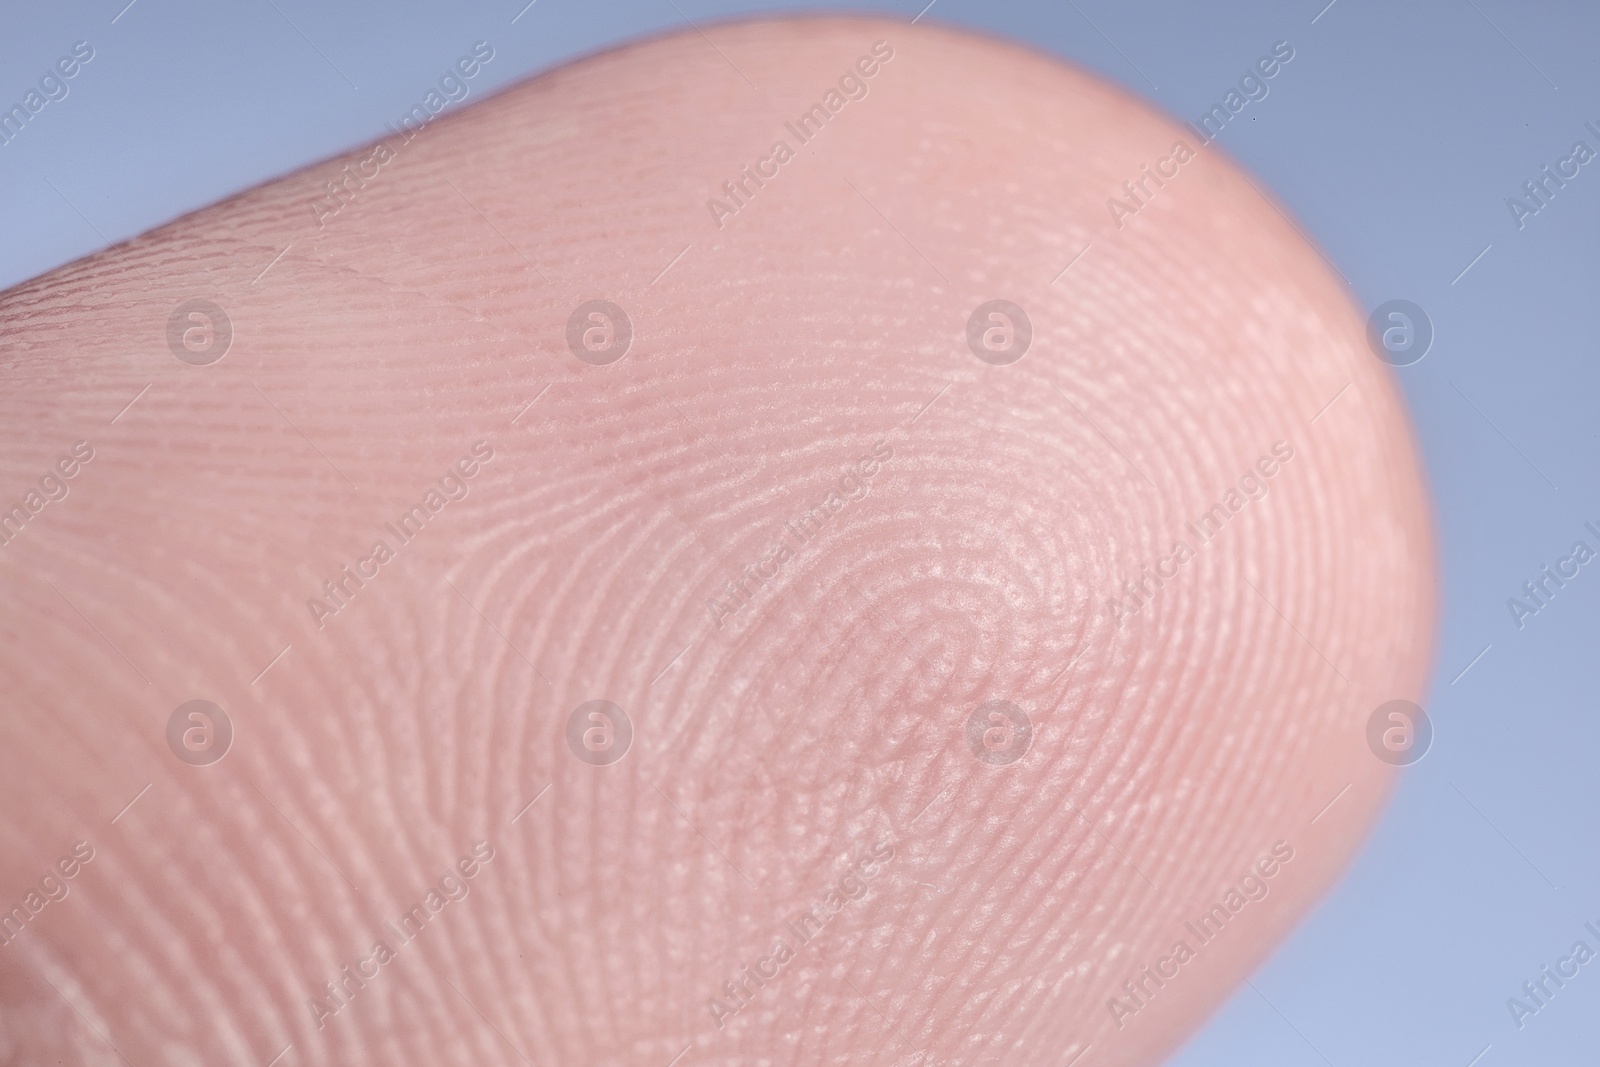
x: 1395, y: 136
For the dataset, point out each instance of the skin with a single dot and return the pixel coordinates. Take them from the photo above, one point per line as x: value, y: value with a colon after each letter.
x: 780, y: 735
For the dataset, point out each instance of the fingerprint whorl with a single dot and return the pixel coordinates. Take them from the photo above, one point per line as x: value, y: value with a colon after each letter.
x: 811, y: 565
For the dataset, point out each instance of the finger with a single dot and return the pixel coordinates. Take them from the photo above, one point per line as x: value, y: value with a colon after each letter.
x: 960, y: 660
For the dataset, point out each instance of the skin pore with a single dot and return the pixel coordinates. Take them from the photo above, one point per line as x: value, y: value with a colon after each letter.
x: 952, y: 691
